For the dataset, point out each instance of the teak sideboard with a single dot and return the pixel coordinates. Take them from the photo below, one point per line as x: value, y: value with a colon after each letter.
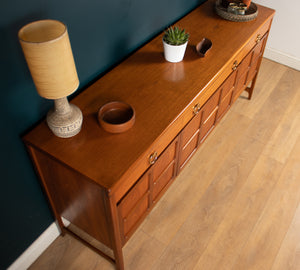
x: 105, y: 184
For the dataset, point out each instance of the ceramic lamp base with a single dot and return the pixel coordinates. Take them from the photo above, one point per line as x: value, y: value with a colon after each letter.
x: 64, y: 120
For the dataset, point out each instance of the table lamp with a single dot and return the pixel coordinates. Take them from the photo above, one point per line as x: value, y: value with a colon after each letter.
x: 48, y: 53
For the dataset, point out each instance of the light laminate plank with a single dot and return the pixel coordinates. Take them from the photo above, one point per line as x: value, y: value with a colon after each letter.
x: 234, y: 231
x: 287, y: 131
x: 269, y: 232
x: 142, y: 251
x: 288, y: 257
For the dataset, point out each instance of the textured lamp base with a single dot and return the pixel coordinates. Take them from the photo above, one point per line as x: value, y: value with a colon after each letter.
x: 64, y: 120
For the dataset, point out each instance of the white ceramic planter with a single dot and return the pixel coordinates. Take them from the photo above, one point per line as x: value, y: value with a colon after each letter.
x: 174, y: 53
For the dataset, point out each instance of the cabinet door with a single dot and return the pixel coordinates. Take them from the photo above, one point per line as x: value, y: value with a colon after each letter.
x: 241, y: 76
x: 226, y: 95
x: 133, y: 207
x: 138, y: 201
x: 198, y: 128
x: 257, y: 53
x: 209, y: 113
x: 164, y: 170
x: 248, y: 69
x: 189, y: 139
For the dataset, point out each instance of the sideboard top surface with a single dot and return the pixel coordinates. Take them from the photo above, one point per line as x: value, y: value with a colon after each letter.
x: 159, y: 92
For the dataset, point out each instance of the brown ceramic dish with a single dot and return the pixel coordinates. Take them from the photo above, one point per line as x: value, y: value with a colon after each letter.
x: 116, y: 117
x: 203, y: 46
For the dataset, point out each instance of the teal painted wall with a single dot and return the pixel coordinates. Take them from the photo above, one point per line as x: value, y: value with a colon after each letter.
x: 102, y: 33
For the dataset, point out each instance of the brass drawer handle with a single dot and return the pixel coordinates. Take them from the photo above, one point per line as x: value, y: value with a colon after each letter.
x: 153, y: 158
x: 196, y: 108
x: 258, y: 38
x: 235, y: 65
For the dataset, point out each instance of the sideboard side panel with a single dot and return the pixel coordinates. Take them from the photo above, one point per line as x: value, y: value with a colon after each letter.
x: 73, y: 196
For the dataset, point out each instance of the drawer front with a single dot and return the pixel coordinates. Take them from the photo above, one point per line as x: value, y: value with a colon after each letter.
x: 240, y: 85
x: 134, y: 196
x: 164, y: 170
x: 258, y: 50
x: 210, y: 105
x: 167, y: 157
x: 228, y: 85
x: 256, y: 56
x: 188, y: 149
x: 245, y: 64
x: 137, y: 213
x: 165, y: 178
x: 252, y: 71
x: 207, y: 126
x: 191, y: 128
x: 224, y: 105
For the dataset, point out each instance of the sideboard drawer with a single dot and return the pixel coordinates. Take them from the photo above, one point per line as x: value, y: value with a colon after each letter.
x: 256, y: 56
x: 244, y: 65
x: 208, y: 125
x: 210, y: 105
x: 188, y: 149
x: 228, y: 85
x: 133, y: 196
x: 136, y: 215
x: 162, y: 181
x: 166, y: 158
x: 190, y: 129
x: 224, y: 105
x: 133, y: 206
x: 164, y: 170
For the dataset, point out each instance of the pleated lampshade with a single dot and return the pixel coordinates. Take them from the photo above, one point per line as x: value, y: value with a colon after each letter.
x: 49, y: 56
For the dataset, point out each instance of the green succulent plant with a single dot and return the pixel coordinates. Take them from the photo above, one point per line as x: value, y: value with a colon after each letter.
x: 175, y: 36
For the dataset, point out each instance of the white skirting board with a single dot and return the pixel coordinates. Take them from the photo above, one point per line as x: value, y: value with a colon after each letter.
x: 36, y: 248
x: 282, y: 58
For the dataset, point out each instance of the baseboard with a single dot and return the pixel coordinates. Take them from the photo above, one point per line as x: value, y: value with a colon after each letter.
x: 282, y: 58
x: 36, y: 248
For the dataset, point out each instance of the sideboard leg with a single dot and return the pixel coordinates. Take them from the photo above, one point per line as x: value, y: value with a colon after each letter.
x: 250, y: 89
x: 250, y: 92
x: 115, y: 233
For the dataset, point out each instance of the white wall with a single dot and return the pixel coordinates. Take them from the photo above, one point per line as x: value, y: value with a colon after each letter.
x: 284, y: 40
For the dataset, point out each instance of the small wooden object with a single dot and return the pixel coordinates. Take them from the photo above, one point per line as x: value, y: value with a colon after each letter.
x: 203, y: 46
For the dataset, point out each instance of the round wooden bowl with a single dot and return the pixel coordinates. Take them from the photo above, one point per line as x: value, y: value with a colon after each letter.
x: 116, y: 117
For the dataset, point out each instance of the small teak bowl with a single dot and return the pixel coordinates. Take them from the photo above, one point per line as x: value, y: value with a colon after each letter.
x: 116, y: 117
x: 203, y: 46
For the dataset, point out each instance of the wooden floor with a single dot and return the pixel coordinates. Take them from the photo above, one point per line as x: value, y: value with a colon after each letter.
x: 235, y: 205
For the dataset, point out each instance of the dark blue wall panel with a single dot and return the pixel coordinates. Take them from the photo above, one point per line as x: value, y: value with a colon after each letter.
x: 102, y: 33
